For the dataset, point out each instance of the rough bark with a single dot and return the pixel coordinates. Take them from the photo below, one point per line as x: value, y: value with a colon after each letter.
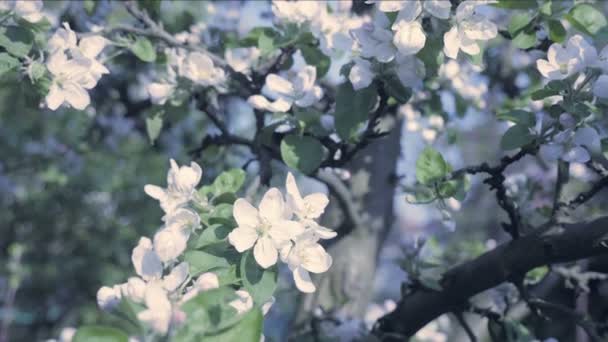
x: 512, y: 259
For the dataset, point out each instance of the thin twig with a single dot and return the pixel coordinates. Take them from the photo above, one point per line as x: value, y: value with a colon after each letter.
x: 467, y: 328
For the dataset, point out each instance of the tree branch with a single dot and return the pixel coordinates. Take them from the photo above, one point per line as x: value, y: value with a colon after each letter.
x: 517, y: 257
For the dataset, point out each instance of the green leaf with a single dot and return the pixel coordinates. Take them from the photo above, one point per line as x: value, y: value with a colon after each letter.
x: 259, y: 282
x: 515, y: 137
x: 586, y: 18
x: 16, y: 40
x: 397, y: 90
x: 302, y: 153
x: 249, y: 328
x: 253, y: 37
x: 144, y: 50
x: 265, y: 44
x: 352, y: 109
x: 153, y: 126
x: 203, y: 261
x: 7, y: 62
x: 431, y: 166
x: 229, y: 181
x: 213, y: 234
x: 313, y: 56
x: 431, y: 54
x: 557, y: 32
x: 519, y: 22
x: 518, y: 116
x: 208, y: 313
x: 516, y: 4
x: 89, y: 6
x: 97, y: 333
x: 524, y: 40
x: 543, y: 93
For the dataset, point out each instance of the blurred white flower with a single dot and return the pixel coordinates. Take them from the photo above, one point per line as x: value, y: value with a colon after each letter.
x: 303, y: 256
x: 409, y: 37
x: 410, y: 71
x: 160, y: 92
x: 243, y: 302
x: 297, y: 87
x: 171, y: 241
x: 361, y: 74
x: 158, y: 310
x: 375, y: 39
x: 206, y: 281
x: 70, y: 82
x: 136, y: 289
x: 176, y: 277
x: 199, y: 68
x: 563, y: 61
x: 242, y: 59
x: 600, y: 87
x: 108, y: 297
x: 431, y: 333
x: 375, y: 311
x: 30, y: 10
x: 268, y: 229
x: 297, y: 12
x: 181, y: 183
x: 572, y: 146
x: 145, y: 261
x: 470, y: 27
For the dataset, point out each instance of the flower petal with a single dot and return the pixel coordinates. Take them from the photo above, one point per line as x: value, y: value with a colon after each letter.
x: 245, y: 214
x: 265, y: 253
x: 242, y: 238
x: 272, y: 205
x: 303, y: 281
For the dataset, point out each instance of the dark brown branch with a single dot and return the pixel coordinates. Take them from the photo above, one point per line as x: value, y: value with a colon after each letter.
x: 467, y: 328
x: 517, y: 257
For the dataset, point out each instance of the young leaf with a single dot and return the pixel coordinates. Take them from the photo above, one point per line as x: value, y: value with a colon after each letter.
x: 97, y: 333
x: 518, y: 116
x: 515, y: 137
x: 352, y: 109
x: 524, y: 40
x: 313, y: 56
x: 144, y: 50
x: 397, y: 90
x: 302, y: 153
x: 518, y: 22
x: 154, y: 126
x: 16, y: 40
x: 259, y: 282
x: 431, y: 166
x: 586, y: 18
x: 249, y: 328
x: 557, y: 32
x: 7, y: 62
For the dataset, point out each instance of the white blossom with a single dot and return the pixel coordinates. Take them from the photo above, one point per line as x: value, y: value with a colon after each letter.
x: 171, y: 241
x: 438, y: 8
x: 303, y: 256
x: 158, y: 310
x: 309, y: 208
x: 470, y: 27
x: 572, y: 146
x: 243, y: 302
x: 296, y: 87
x: 145, y: 261
x: 242, y: 59
x: 205, y: 282
x: 160, y: 92
x: 564, y: 61
x: 30, y: 10
x: 410, y: 71
x: 375, y: 39
x: 268, y: 228
x: 70, y: 82
x: 136, y: 289
x: 297, y: 12
x: 361, y: 74
x: 199, y: 68
x: 375, y: 311
x: 409, y: 37
x: 108, y: 297
x: 181, y: 183
x: 176, y: 277
x: 600, y: 87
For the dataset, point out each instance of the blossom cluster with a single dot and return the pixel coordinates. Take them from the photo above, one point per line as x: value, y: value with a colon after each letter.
x: 74, y: 68
x: 163, y: 283
x: 286, y: 228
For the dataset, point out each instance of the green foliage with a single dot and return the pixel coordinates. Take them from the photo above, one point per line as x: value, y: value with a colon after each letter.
x: 16, y: 40
x: 516, y: 136
x: 228, y: 182
x: 154, y: 125
x: 557, y: 32
x: 100, y: 334
x: 259, y: 282
x: 395, y: 89
x: 205, y: 261
x: 516, y: 4
x: 518, y: 116
x: 249, y: 328
x: 586, y: 18
x: 7, y: 62
x: 431, y: 167
x: 143, y: 49
x: 313, y: 56
x: 509, y: 331
x: 352, y: 109
x: 519, y: 22
x: 525, y: 40
x: 302, y: 153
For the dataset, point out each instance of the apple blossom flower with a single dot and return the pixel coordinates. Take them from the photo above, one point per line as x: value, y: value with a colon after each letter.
x: 136, y: 289
x: 470, y: 27
x: 600, y: 87
x: 145, y: 261
x: 243, y: 302
x: 361, y: 74
x: 30, y: 10
x: 308, y: 208
x: 303, y: 256
x: 176, y: 277
x: 108, y: 297
x: 410, y: 9
x: 409, y: 37
x: 242, y: 59
x: 181, y: 183
x: 171, y: 241
x: 268, y: 229
x: 375, y: 39
x: 438, y: 8
x: 158, y: 310
x: 199, y: 68
x: 204, y: 282
x: 70, y: 82
x: 160, y: 92
x: 297, y: 87
x: 410, y: 70
x: 297, y: 12
x: 564, y: 61
x: 375, y: 311
x: 572, y: 146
